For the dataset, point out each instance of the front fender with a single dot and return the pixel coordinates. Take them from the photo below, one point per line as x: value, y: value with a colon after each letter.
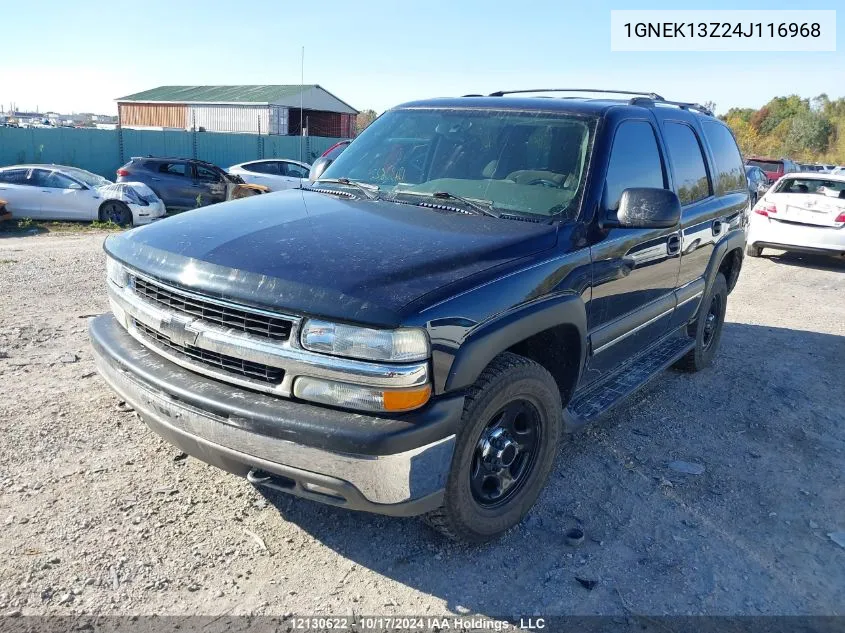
x: 493, y: 337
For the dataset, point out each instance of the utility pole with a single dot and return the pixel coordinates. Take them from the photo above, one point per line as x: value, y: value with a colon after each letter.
x: 301, y: 97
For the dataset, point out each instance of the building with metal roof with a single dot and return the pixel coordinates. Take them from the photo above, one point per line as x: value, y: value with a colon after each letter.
x: 264, y: 109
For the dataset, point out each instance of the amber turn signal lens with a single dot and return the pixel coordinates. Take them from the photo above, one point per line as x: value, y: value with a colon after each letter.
x: 406, y: 399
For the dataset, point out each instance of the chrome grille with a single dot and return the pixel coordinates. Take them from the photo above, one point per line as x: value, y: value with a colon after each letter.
x: 248, y: 369
x: 276, y: 328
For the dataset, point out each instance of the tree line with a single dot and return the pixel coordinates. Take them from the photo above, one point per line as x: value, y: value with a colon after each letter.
x: 805, y: 130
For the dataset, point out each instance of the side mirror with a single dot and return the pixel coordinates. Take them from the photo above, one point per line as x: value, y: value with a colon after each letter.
x: 320, y: 165
x: 647, y: 208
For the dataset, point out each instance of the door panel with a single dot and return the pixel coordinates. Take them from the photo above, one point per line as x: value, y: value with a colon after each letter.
x: 23, y: 200
x: 634, y: 278
x: 635, y: 271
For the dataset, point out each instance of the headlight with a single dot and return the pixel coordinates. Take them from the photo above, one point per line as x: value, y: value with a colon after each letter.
x: 116, y: 272
x: 340, y: 394
x: 401, y: 345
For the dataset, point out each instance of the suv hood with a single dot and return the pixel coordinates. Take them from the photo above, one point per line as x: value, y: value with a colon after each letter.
x: 311, y: 253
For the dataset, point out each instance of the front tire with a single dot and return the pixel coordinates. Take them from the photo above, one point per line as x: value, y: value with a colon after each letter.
x: 504, y: 450
x: 708, y: 327
x: 117, y: 212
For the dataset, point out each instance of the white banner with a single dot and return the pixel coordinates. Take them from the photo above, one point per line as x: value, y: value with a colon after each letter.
x: 723, y: 30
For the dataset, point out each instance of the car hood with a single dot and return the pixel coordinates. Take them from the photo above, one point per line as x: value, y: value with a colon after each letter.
x: 320, y: 254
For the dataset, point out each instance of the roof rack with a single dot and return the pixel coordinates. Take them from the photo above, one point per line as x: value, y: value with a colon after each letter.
x: 683, y: 105
x: 651, y: 95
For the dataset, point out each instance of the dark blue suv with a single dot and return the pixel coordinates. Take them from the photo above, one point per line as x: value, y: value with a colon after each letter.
x: 183, y: 183
x: 470, y: 279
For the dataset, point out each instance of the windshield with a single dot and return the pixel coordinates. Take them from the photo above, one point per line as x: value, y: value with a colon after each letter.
x: 92, y: 180
x: 521, y: 162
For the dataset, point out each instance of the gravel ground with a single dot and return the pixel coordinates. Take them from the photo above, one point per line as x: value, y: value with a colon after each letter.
x: 100, y: 516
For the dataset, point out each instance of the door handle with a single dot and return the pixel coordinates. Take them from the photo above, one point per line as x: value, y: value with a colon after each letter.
x: 673, y: 244
x: 717, y: 227
x: 156, y: 179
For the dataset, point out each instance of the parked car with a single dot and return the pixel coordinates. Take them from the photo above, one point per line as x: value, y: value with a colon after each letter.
x: 56, y: 192
x: 758, y: 183
x: 774, y: 168
x: 326, y: 159
x: 276, y: 173
x: 413, y: 334
x: 800, y: 213
x: 186, y: 183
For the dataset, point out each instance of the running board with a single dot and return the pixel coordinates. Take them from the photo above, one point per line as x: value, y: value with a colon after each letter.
x: 598, y: 400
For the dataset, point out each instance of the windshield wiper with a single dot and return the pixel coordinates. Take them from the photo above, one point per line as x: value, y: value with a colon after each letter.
x: 370, y: 191
x: 476, y: 206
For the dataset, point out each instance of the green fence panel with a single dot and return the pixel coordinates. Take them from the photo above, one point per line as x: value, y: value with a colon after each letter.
x: 100, y: 151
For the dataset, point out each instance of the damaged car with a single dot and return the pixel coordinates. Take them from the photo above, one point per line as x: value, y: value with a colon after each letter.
x: 57, y: 192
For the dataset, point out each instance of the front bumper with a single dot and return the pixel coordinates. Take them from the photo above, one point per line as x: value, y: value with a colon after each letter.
x: 396, y: 466
x: 790, y: 236
x: 144, y: 215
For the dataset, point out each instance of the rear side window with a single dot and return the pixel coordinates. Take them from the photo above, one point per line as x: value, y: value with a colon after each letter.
x: 634, y: 162
x: 265, y: 167
x: 174, y: 169
x: 14, y: 177
x: 691, y: 182
x: 730, y: 176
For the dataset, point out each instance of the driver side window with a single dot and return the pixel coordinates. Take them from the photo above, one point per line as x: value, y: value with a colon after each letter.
x: 634, y: 162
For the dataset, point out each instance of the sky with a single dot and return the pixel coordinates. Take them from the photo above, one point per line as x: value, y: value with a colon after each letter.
x: 80, y: 56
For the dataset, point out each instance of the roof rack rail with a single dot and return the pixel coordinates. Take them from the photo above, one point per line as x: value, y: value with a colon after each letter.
x: 683, y: 105
x: 653, y: 95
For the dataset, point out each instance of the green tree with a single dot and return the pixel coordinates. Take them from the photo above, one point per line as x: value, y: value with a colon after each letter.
x: 365, y: 117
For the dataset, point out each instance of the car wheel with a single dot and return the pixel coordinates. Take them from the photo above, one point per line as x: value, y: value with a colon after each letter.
x: 707, y: 327
x: 504, y: 450
x: 753, y: 251
x: 115, y: 211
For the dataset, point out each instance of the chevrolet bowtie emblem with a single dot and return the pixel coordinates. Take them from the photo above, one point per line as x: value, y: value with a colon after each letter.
x: 179, y: 331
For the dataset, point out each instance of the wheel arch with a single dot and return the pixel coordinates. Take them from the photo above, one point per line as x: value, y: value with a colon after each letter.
x: 727, y: 259
x: 551, y: 332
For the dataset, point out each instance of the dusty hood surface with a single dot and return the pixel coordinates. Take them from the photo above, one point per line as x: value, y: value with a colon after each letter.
x: 319, y: 254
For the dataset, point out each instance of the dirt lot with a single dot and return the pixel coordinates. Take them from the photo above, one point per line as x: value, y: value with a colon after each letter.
x: 100, y: 516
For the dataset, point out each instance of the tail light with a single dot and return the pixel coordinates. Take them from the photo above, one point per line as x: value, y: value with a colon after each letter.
x: 840, y: 217
x: 766, y: 210
x: 122, y: 172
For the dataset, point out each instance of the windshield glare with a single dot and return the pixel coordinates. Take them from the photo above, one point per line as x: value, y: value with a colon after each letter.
x: 523, y: 162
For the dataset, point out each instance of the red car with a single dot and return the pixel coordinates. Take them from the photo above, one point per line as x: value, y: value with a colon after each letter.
x: 774, y: 168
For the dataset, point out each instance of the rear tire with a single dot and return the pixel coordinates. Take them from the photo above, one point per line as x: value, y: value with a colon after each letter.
x: 504, y: 450
x: 115, y: 211
x: 708, y: 327
x: 753, y: 251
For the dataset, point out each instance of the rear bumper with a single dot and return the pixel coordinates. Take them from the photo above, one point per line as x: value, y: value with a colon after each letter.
x: 790, y: 236
x: 396, y: 466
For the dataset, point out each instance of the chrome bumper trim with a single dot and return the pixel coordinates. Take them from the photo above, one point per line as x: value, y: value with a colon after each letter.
x: 382, y: 479
x: 287, y: 355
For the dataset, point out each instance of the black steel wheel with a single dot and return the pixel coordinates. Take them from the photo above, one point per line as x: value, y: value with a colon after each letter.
x: 504, y: 450
x: 707, y: 327
x: 505, y: 453
x: 116, y: 212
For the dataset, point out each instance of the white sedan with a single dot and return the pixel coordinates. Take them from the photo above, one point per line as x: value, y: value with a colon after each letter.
x: 801, y: 213
x: 56, y: 192
x: 275, y: 173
